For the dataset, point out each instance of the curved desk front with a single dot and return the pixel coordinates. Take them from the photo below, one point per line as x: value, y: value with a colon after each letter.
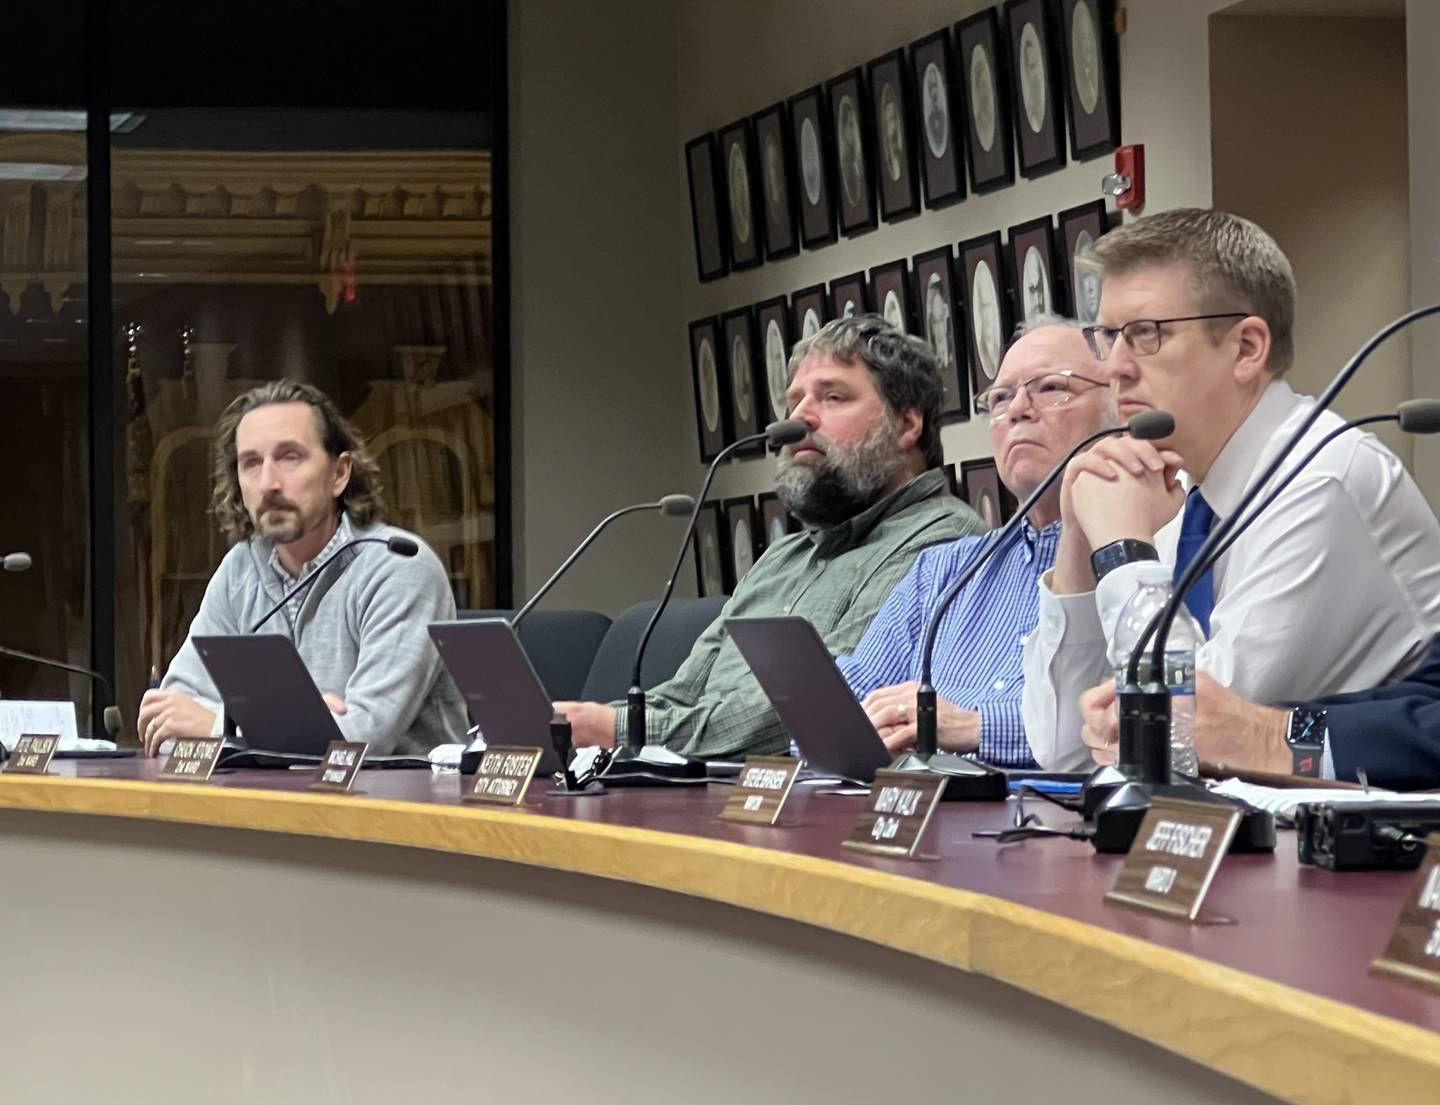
x: 250, y: 941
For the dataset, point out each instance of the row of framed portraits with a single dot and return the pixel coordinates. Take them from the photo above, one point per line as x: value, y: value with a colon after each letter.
x: 838, y: 157
x: 963, y: 300
x: 730, y: 534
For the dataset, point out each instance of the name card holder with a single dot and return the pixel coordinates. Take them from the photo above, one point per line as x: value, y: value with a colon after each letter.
x: 1176, y: 853
x: 338, y: 770
x: 761, y: 790
x: 32, y: 755
x: 901, y: 805
x: 191, y: 760
x: 1413, y: 954
x: 503, y: 776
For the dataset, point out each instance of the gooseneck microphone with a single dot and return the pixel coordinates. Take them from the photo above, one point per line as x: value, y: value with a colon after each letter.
x: 1147, y: 426
x: 111, y: 713
x: 15, y: 562
x: 776, y: 435
x: 400, y: 546
x: 671, y: 506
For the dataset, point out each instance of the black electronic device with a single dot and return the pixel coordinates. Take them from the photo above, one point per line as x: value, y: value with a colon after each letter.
x: 1364, y: 836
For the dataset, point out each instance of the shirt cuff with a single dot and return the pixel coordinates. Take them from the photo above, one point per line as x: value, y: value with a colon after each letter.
x: 1071, y: 618
x: 1327, y: 761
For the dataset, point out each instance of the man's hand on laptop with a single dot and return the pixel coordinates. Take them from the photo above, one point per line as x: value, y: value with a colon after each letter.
x: 892, y: 711
x: 168, y: 714
x: 336, y: 703
x: 591, y: 723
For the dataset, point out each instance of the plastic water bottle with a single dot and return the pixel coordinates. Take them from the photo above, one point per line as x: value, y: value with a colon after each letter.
x: 1185, y: 637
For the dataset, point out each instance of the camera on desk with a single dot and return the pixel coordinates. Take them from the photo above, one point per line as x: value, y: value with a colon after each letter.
x: 1370, y: 836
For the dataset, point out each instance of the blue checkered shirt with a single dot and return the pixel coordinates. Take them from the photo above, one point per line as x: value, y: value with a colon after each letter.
x: 979, y: 647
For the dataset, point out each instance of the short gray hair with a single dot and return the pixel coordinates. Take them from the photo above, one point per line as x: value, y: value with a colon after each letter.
x: 1233, y: 265
x: 1041, y: 321
x: 904, y: 368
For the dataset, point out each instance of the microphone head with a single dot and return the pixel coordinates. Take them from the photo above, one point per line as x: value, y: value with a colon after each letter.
x: 785, y: 432
x: 676, y: 506
x: 113, y: 724
x: 402, y: 546
x: 1151, y: 425
x: 1419, y: 416
x: 16, y: 561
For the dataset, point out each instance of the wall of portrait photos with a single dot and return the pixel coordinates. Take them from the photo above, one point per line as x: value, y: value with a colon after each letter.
x: 937, y: 158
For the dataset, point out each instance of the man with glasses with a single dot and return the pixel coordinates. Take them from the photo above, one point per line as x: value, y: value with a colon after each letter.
x: 1048, y: 395
x: 1337, y: 585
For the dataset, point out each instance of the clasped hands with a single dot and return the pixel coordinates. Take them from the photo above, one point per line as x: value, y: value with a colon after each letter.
x: 892, y: 711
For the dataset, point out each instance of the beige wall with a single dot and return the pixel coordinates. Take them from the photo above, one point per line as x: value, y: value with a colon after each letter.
x: 1309, y: 140
x: 1422, y: 35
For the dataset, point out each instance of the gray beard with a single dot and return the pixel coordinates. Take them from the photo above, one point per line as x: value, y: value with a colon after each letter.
x: 846, y: 482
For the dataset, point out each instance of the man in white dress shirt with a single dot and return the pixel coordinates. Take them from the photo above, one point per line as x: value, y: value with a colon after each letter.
x: 1337, y: 585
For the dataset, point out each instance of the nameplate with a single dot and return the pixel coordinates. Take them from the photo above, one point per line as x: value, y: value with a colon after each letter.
x: 761, y: 789
x: 1413, y: 953
x: 1175, y: 855
x: 337, y: 771
x: 504, y: 775
x: 899, y: 808
x: 32, y: 755
x: 191, y: 759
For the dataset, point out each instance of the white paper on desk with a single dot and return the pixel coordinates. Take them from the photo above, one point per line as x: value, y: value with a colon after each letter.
x: 19, y: 716
x: 1283, y: 800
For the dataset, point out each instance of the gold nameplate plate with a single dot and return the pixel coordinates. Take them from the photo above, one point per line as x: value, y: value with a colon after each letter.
x: 337, y: 771
x: 1413, y: 953
x: 900, y: 806
x: 32, y: 755
x: 191, y: 760
x: 1175, y: 855
x: 504, y: 775
x: 761, y: 789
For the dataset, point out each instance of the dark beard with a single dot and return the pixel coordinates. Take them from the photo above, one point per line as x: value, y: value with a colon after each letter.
x: 827, y: 499
x: 846, y: 482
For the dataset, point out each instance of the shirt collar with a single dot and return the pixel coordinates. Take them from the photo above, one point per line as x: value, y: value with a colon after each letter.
x: 343, y: 532
x: 854, y: 531
x: 1238, y: 460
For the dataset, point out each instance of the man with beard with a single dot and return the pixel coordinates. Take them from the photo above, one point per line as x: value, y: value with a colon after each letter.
x: 293, y: 483
x: 866, y: 483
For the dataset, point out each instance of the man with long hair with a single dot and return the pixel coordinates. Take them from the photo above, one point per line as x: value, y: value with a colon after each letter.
x: 293, y: 483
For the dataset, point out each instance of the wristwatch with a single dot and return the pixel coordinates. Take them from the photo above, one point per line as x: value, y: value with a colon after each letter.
x: 1107, y: 558
x: 1306, y: 735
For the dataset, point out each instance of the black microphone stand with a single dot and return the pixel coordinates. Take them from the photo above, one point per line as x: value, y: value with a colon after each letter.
x: 625, y: 766
x: 970, y: 779
x: 1145, y: 708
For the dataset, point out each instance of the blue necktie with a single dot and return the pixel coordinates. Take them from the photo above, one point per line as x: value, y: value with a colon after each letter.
x: 1194, y: 528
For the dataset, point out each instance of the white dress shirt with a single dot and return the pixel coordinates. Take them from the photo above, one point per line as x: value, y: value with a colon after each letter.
x: 1336, y: 587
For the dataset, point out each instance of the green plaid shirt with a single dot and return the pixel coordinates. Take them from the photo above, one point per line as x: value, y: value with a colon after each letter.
x: 836, y: 579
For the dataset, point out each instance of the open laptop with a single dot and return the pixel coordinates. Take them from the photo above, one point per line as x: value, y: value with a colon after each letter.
x: 505, y: 697
x: 267, y: 690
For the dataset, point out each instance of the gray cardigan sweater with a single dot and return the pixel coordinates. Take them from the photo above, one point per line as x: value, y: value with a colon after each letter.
x: 360, y: 629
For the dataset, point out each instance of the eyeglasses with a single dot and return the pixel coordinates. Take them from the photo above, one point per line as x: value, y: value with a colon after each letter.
x: 1142, y: 335
x: 1049, y: 389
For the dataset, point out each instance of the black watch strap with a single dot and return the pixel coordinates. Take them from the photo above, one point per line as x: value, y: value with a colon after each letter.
x: 1306, y: 735
x: 1127, y: 550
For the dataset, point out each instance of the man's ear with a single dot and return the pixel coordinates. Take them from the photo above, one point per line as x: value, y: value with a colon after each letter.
x: 1252, y: 357
x: 344, y: 465
x: 912, y: 425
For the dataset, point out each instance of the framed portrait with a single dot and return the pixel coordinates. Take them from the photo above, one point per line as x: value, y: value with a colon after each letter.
x: 737, y: 160
x: 984, y: 306
x: 706, y: 217
x: 1079, y: 228
x: 892, y: 110
x: 814, y: 161
x: 737, y: 337
x: 772, y: 320
x: 1039, y: 289
x: 775, y: 520
x: 710, y: 556
x: 940, y: 107
x: 984, y: 75
x: 941, y: 326
x: 1092, y: 72
x: 890, y: 292
x: 742, y: 527
x: 855, y: 191
x: 777, y: 181
x: 1035, y: 87
x: 809, y: 310
x: 712, y: 391
x: 988, y: 497
x: 849, y: 296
